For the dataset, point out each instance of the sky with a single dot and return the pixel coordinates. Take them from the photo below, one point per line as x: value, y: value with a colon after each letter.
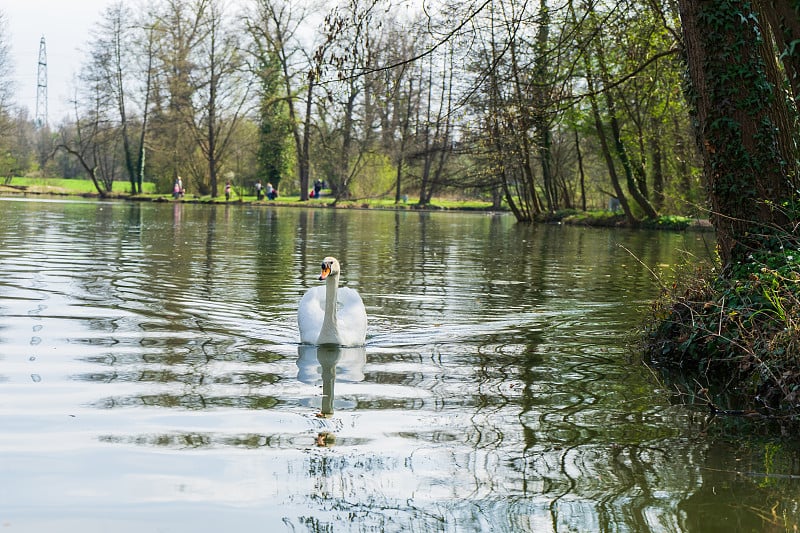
x: 65, y: 26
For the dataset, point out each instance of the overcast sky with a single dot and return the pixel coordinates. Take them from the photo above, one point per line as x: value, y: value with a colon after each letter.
x: 64, y: 25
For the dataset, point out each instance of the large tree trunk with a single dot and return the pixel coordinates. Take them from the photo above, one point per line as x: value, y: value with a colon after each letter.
x: 742, y: 123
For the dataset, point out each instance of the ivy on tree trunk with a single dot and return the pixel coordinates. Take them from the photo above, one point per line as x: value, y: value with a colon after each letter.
x: 744, y: 122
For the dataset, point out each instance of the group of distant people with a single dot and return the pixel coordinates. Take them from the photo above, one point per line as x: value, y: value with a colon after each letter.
x: 262, y: 191
x: 317, y: 190
x: 270, y: 191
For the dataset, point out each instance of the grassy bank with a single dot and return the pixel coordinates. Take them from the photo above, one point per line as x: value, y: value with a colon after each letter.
x: 62, y: 186
x: 611, y: 219
x: 84, y: 187
x: 735, y: 338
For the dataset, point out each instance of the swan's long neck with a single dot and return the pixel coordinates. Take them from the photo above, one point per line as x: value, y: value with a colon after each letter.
x: 329, y: 334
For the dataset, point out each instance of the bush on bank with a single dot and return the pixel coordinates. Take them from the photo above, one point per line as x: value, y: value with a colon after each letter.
x: 738, y: 334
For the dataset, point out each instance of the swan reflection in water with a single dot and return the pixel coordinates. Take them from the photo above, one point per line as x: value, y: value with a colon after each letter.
x: 326, y: 364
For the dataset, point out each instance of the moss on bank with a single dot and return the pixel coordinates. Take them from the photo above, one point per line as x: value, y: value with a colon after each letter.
x: 610, y: 219
x: 736, y: 335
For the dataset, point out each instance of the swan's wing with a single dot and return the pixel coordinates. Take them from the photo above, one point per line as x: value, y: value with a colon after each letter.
x: 352, y: 317
x: 310, y: 313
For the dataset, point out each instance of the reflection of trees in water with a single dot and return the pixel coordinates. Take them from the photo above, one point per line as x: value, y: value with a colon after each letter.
x: 756, y: 493
x: 192, y: 376
x: 547, y: 436
x: 524, y: 426
x: 521, y: 442
x: 179, y: 440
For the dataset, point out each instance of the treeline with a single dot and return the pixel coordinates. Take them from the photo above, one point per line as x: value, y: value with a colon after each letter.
x: 542, y: 105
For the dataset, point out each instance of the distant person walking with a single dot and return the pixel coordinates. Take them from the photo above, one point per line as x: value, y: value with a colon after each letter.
x: 259, y: 190
x: 177, y: 189
x: 227, y: 191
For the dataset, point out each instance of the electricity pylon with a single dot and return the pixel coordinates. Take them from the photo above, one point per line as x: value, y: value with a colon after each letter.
x: 41, y: 87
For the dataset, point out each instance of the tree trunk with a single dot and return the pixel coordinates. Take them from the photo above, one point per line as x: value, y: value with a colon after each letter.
x: 341, y: 187
x: 782, y: 16
x: 211, y: 130
x: 658, y: 170
x: 619, y: 145
x: 742, y: 120
x: 140, y: 161
x: 601, y: 135
x: 404, y: 133
x: 303, y: 155
x: 541, y: 103
x: 519, y: 128
x: 90, y: 170
x: 123, y: 116
x: 580, y: 169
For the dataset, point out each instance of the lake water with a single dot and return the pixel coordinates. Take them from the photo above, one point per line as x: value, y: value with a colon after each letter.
x: 151, y: 379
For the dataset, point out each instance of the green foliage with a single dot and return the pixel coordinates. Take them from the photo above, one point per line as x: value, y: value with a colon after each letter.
x: 7, y: 163
x: 595, y: 218
x: 559, y: 215
x: 272, y: 150
x: 669, y: 222
x: 274, y: 126
x: 740, y: 331
x: 376, y: 176
x: 615, y: 218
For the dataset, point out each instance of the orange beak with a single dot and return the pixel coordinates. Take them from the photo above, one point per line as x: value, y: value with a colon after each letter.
x: 326, y: 270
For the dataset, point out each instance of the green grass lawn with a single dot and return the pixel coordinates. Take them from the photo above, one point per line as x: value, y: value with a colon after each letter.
x: 81, y: 187
x: 75, y: 186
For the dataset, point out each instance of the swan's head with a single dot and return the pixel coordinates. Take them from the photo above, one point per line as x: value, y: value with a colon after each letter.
x: 330, y: 267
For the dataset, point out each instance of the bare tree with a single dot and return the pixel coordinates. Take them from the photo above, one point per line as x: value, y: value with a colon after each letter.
x: 435, y: 136
x: 178, y: 29
x: 92, y: 139
x: 393, y: 95
x: 147, y: 45
x: 6, y: 91
x: 6, y: 66
x: 110, y: 70
x: 273, y: 27
x: 350, y: 29
x: 219, y: 88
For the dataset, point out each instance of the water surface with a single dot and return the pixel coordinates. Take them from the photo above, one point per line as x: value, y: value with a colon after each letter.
x: 151, y: 378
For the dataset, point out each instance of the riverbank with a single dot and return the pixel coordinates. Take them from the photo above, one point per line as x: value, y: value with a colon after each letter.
x: 595, y: 218
x: 85, y: 189
x: 733, y: 338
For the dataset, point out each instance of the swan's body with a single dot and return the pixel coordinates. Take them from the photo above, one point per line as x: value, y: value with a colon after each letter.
x: 330, y: 314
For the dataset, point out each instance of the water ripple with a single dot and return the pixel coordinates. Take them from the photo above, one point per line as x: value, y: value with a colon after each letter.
x: 155, y: 359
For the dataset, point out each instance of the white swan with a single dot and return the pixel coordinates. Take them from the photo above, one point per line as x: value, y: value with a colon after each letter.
x: 322, y: 321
